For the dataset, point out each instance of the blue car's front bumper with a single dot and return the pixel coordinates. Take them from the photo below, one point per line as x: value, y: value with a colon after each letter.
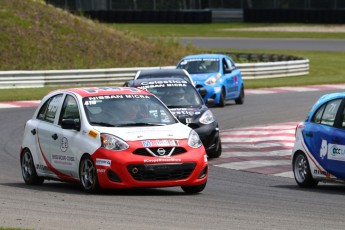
x: 213, y: 91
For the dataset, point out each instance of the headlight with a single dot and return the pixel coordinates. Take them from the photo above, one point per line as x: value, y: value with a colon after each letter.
x: 194, y: 140
x: 113, y: 143
x: 207, y: 117
x: 212, y: 80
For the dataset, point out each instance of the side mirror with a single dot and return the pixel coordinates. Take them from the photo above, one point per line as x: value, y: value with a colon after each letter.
x: 227, y: 70
x: 210, y: 102
x: 70, y: 124
x: 202, y: 92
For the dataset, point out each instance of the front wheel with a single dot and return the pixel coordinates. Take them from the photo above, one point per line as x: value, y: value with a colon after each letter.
x: 301, y: 171
x: 193, y: 189
x: 216, y: 153
x: 222, y: 99
x: 88, y: 175
x: 28, y: 169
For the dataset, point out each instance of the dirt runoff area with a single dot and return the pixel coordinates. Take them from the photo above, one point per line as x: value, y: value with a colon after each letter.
x: 318, y: 29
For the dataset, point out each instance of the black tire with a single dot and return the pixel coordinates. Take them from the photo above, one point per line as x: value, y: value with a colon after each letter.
x: 301, y: 171
x: 240, y: 99
x: 193, y: 189
x: 88, y: 175
x: 28, y: 169
x: 218, y: 152
x: 222, y: 99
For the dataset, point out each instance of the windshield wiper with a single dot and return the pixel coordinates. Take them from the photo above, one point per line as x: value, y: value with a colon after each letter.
x: 102, y: 124
x: 139, y: 124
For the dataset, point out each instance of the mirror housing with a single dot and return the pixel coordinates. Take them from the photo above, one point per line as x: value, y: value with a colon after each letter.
x: 202, y: 92
x: 70, y: 124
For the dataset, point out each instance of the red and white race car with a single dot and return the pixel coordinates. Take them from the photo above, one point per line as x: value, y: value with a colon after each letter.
x: 111, y: 137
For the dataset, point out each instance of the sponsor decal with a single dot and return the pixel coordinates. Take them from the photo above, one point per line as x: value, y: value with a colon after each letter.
x: 93, y: 133
x: 103, y: 162
x: 153, y: 143
x: 188, y: 120
x: 101, y: 170
x: 146, y: 143
x: 159, y: 160
x: 63, y: 160
x: 64, y: 144
x: 205, y: 158
x: 323, y: 149
x: 43, y: 168
x: 336, y: 152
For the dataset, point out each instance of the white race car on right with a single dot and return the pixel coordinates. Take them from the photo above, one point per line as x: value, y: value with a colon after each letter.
x: 319, y: 150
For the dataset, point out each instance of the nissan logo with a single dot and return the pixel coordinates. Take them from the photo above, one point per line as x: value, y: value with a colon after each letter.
x: 161, y: 151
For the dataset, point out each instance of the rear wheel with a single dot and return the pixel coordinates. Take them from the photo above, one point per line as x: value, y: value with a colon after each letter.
x: 301, y: 171
x: 28, y: 169
x: 193, y: 189
x: 88, y: 175
x: 240, y: 99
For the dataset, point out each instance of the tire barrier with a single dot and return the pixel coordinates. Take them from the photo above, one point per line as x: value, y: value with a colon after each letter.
x: 317, y: 16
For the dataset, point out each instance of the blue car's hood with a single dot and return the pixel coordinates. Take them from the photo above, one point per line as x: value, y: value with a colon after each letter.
x: 202, y: 76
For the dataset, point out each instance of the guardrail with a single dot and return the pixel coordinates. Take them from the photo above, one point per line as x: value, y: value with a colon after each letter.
x: 117, y: 76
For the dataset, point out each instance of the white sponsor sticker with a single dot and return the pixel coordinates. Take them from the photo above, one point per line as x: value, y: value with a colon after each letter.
x: 103, y: 162
x: 336, y: 152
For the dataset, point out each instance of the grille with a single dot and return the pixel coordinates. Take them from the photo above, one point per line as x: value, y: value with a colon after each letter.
x: 161, y: 172
x: 168, y: 151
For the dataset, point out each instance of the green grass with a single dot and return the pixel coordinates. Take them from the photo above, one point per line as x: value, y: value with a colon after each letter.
x: 221, y: 30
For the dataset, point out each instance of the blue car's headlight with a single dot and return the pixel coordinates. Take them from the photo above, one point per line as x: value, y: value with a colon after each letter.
x: 212, y: 80
x: 207, y: 117
x: 112, y: 142
x: 194, y: 140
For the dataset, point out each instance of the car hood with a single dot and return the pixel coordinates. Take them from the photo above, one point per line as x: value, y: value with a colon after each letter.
x: 174, y: 131
x: 191, y: 112
x: 202, y: 76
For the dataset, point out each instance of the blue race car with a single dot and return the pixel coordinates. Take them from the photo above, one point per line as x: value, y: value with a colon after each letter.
x: 319, y: 150
x: 218, y: 74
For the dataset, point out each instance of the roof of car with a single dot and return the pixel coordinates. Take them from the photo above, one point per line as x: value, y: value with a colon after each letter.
x: 161, y: 71
x: 204, y: 56
x: 327, y: 97
x: 106, y: 90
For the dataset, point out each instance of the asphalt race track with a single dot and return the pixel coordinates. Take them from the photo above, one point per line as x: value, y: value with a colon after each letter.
x: 232, y: 199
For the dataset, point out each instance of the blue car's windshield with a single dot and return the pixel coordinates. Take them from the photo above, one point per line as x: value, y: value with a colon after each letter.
x: 195, y: 66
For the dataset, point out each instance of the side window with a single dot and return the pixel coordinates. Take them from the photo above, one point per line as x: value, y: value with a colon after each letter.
x: 343, y: 119
x: 318, y: 114
x: 230, y: 64
x: 49, y: 109
x: 225, y: 65
x: 70, y: 109
x: 330, y: 112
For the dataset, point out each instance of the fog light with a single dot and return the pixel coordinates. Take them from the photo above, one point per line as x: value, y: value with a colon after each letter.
x: 203, y: 173
x: 113, y: 176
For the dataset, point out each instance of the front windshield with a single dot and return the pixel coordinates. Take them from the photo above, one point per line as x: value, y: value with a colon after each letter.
x: 146, y: 76
x: 177, y: 96
x: 126, y: 110
x: 195, y: 66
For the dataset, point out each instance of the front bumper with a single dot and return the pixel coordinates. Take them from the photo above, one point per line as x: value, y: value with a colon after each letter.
x: 129, y: 170
x: 212, y: 92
